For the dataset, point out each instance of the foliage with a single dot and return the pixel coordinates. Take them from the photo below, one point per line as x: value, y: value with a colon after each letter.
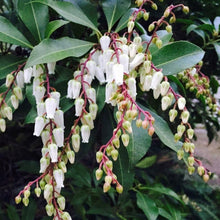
x: 112, y: 70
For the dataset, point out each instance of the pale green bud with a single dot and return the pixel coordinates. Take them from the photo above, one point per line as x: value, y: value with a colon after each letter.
x: 186, y: 146
x: 49, y: 209
x: 146, y: 16
x: 61, y: 202
x: 118, y: 115
x: 169, y: 28
x: 118, y: 134
x: 75, y: 142
x: 14, y: 101
x: 181, y: 103
x: 191, y: 170
x: 37, y: 191
x: 71, y: 156
x: 98, y: 174
x: 154, y: 6
x: 109, y: 164
x: 138, y: 123
x: 106, y: 187
x: 119, y: 188
x: 147, y: 66
x: 130, y: 26
x: 108, y: 179
x: 116, y: 142
x: 62, y: 166
x: 127, y: 126
x: 181, y: 129
x: 17, y: 199
x: 165, y: 102
x: 164, y: 87
x: 186, y: 9
x: 125, y: 139
x: 191, y: 161
x: 201, y: 170
x: 166, y: 13
x: 2, y: 125
x: 25, y: 201
x: 109, y: 150
x: 151, y: 27
x: 159, y: 43
x: 205, y: 178
x: 42, y: 184
x: 99, y: 156
x: 27, y: 193
x: 66, y: 216
x: 185, y: 116
x: 191, y: 148
x: 8, y: 112
x: 9, y: 80
x: 18, y: 92
x: 180, y: 154
x: 114, y: 154
x: 93, y: 109
x: 172, y: 114
x: 177, y: 137
x: 190, y: 133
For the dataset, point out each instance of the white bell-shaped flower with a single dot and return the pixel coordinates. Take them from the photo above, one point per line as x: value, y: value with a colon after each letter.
x: 95, y: 55
x: 8, y: 112
x: 138, y: 59
x: 91, y: 94
x: 71, y: 156
x: 132, y: 87
x: 109, y: 74
x: 59, y: 177
x: 79, y: 102
x: 76, y: 86
x: 70, y: 89
x: 156, y: 92
x: 147, y: 82
x: 107, y: 55
x: 56, y: 96
x: 87, y: 81
x: 125, y: 49
x: 2, y: 125
x: 124, y: 60
x: 91, y: 65
x: 50, y: 104
x: 58, y: 134
x: 164, y: 86
x: 93, y: 109
x: 20, y: 79
x: 75, y: 142
x: 100, y: 75
x: 45, y: 136
x: 105, y: 42
x: 18, y: 92
x: 28, y: 74
x: 165, y: 102
x: 77, y: 75
x: 48, y: 189
x: 89, y: 120
x: 14, y: 101
x: 110, y: 89
x: 41, y: 108
x: 101, y: 63
x: 132, y: 50
x: 51, y: 67
x: 53, y: 152
x: 157, y: 77
x: 36, y: 82
x: 85, y: 132
x: 37, y: 70
x: 44, y: 162
x: 59, y: 118
x: 39, y: 125
x: 39, y: 93
x: 118, y: 73
x: 185, y: 116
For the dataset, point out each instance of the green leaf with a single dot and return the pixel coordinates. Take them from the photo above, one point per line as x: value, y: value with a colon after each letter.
x: 147, y: 162
x: 9, y: 63
x: 163, y: 190
x: 66, y: 103
x: 10, y: 34
x: 163, y: 131
x: 113, y: 10
x: 147, y: 205
x: 164, y: 213
x: 139, y: 144
x: 71, y: 12
x: 12, y: 213
x: 217, y: 49
x: 176, y: 215
x: 35, y: 16
x: 53, y: 26
x: 124, y: 19
x: 30, y: 118
x: 178, y: 83
x: 28, y: 166
x: 100, y: 97
x: 53, y: 50
x: 176, y: 57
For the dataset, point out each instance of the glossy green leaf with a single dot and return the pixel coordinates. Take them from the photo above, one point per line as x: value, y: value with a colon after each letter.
x: 217, y: 49
x: 139, y: 144
x: 53, y: 26
x: 100, y: 97
x: 124, y: 20
x: 12, y: 213
x: 35, y: 16
x: 53, y: 50
x: 113, y: 10
x: 66, y: 104
x: 176, y: 57
x: 69, y: 11
x: 30, y: 118
x: 9, y: 63
x: 164, y: 213
x: 147, y: 162
x: 207, y: 27
x: 10, y: 34
x: 148, y: 206
x: 175, y: 213
x: 216, y: 23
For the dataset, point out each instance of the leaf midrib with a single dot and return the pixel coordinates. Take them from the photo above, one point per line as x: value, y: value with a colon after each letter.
x: 35, y: 20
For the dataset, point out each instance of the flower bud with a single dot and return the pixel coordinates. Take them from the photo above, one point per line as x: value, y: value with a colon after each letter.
x: 130, y: 26
x: 172, y: 114
x: 116, y: 142
x: 177, y: 137
x: 191, y: 147
x: 172, y: 20
x: 138, y: 59
x: 93, y: 109
x: 125, y: 139
x: 71, y: 156
x: 201, y: 170
x: 25, y: 201
x: 118, y: 115
x: 147, y: 82
x: 156, y: 92
x: 164, y: 87
x: 42, y: 184
x: 17, y: 199
x: 39, y: 93
x: 14, y: 101
x: 145, y: 124
x: 185, y: 116
x: 146, y: 16
x: 37, y: 191
x: 75, y: 142
x: 2, y: 125
x: 51, y: 67
x: 53, y: 152
x: 191, y: 161
x: 109, y: 164
x: 169, y: 28
x: 114, y: 154
x: 62, y: 166
x: 180, y: 154
x: 127, y: 126
x: 99, y: 156
x: 186, y: 146
x: 205, y: 177
x: 181, y: 103
x: 91, y: 65
x: 166, y: 13
x: 58, y: 134
x: 157, y: 77
x: 49, y: 209
x: 186, y: 9
x: 139, y: 2
x: 180, y: 129
x: 106, y: 187
x: 27, y: 193
x: 61, y: 202
x: 191, y: 170
x: 154, y: 6
x: 18, y: 92
x: 165, y: 102
x: 190, y: 133
x: 108, y: 179
x: 8, y: 112
x: 119, y: 188
x: 85, y: 132
x: 9, y: 80
x: 151, y: 27
x: 89, y: 121
x: 104, y: 41
x: 66, y: 216
x: 109, y: 149
x: 151, y: 131
x: 98, y: 174
x: 159, y: 43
